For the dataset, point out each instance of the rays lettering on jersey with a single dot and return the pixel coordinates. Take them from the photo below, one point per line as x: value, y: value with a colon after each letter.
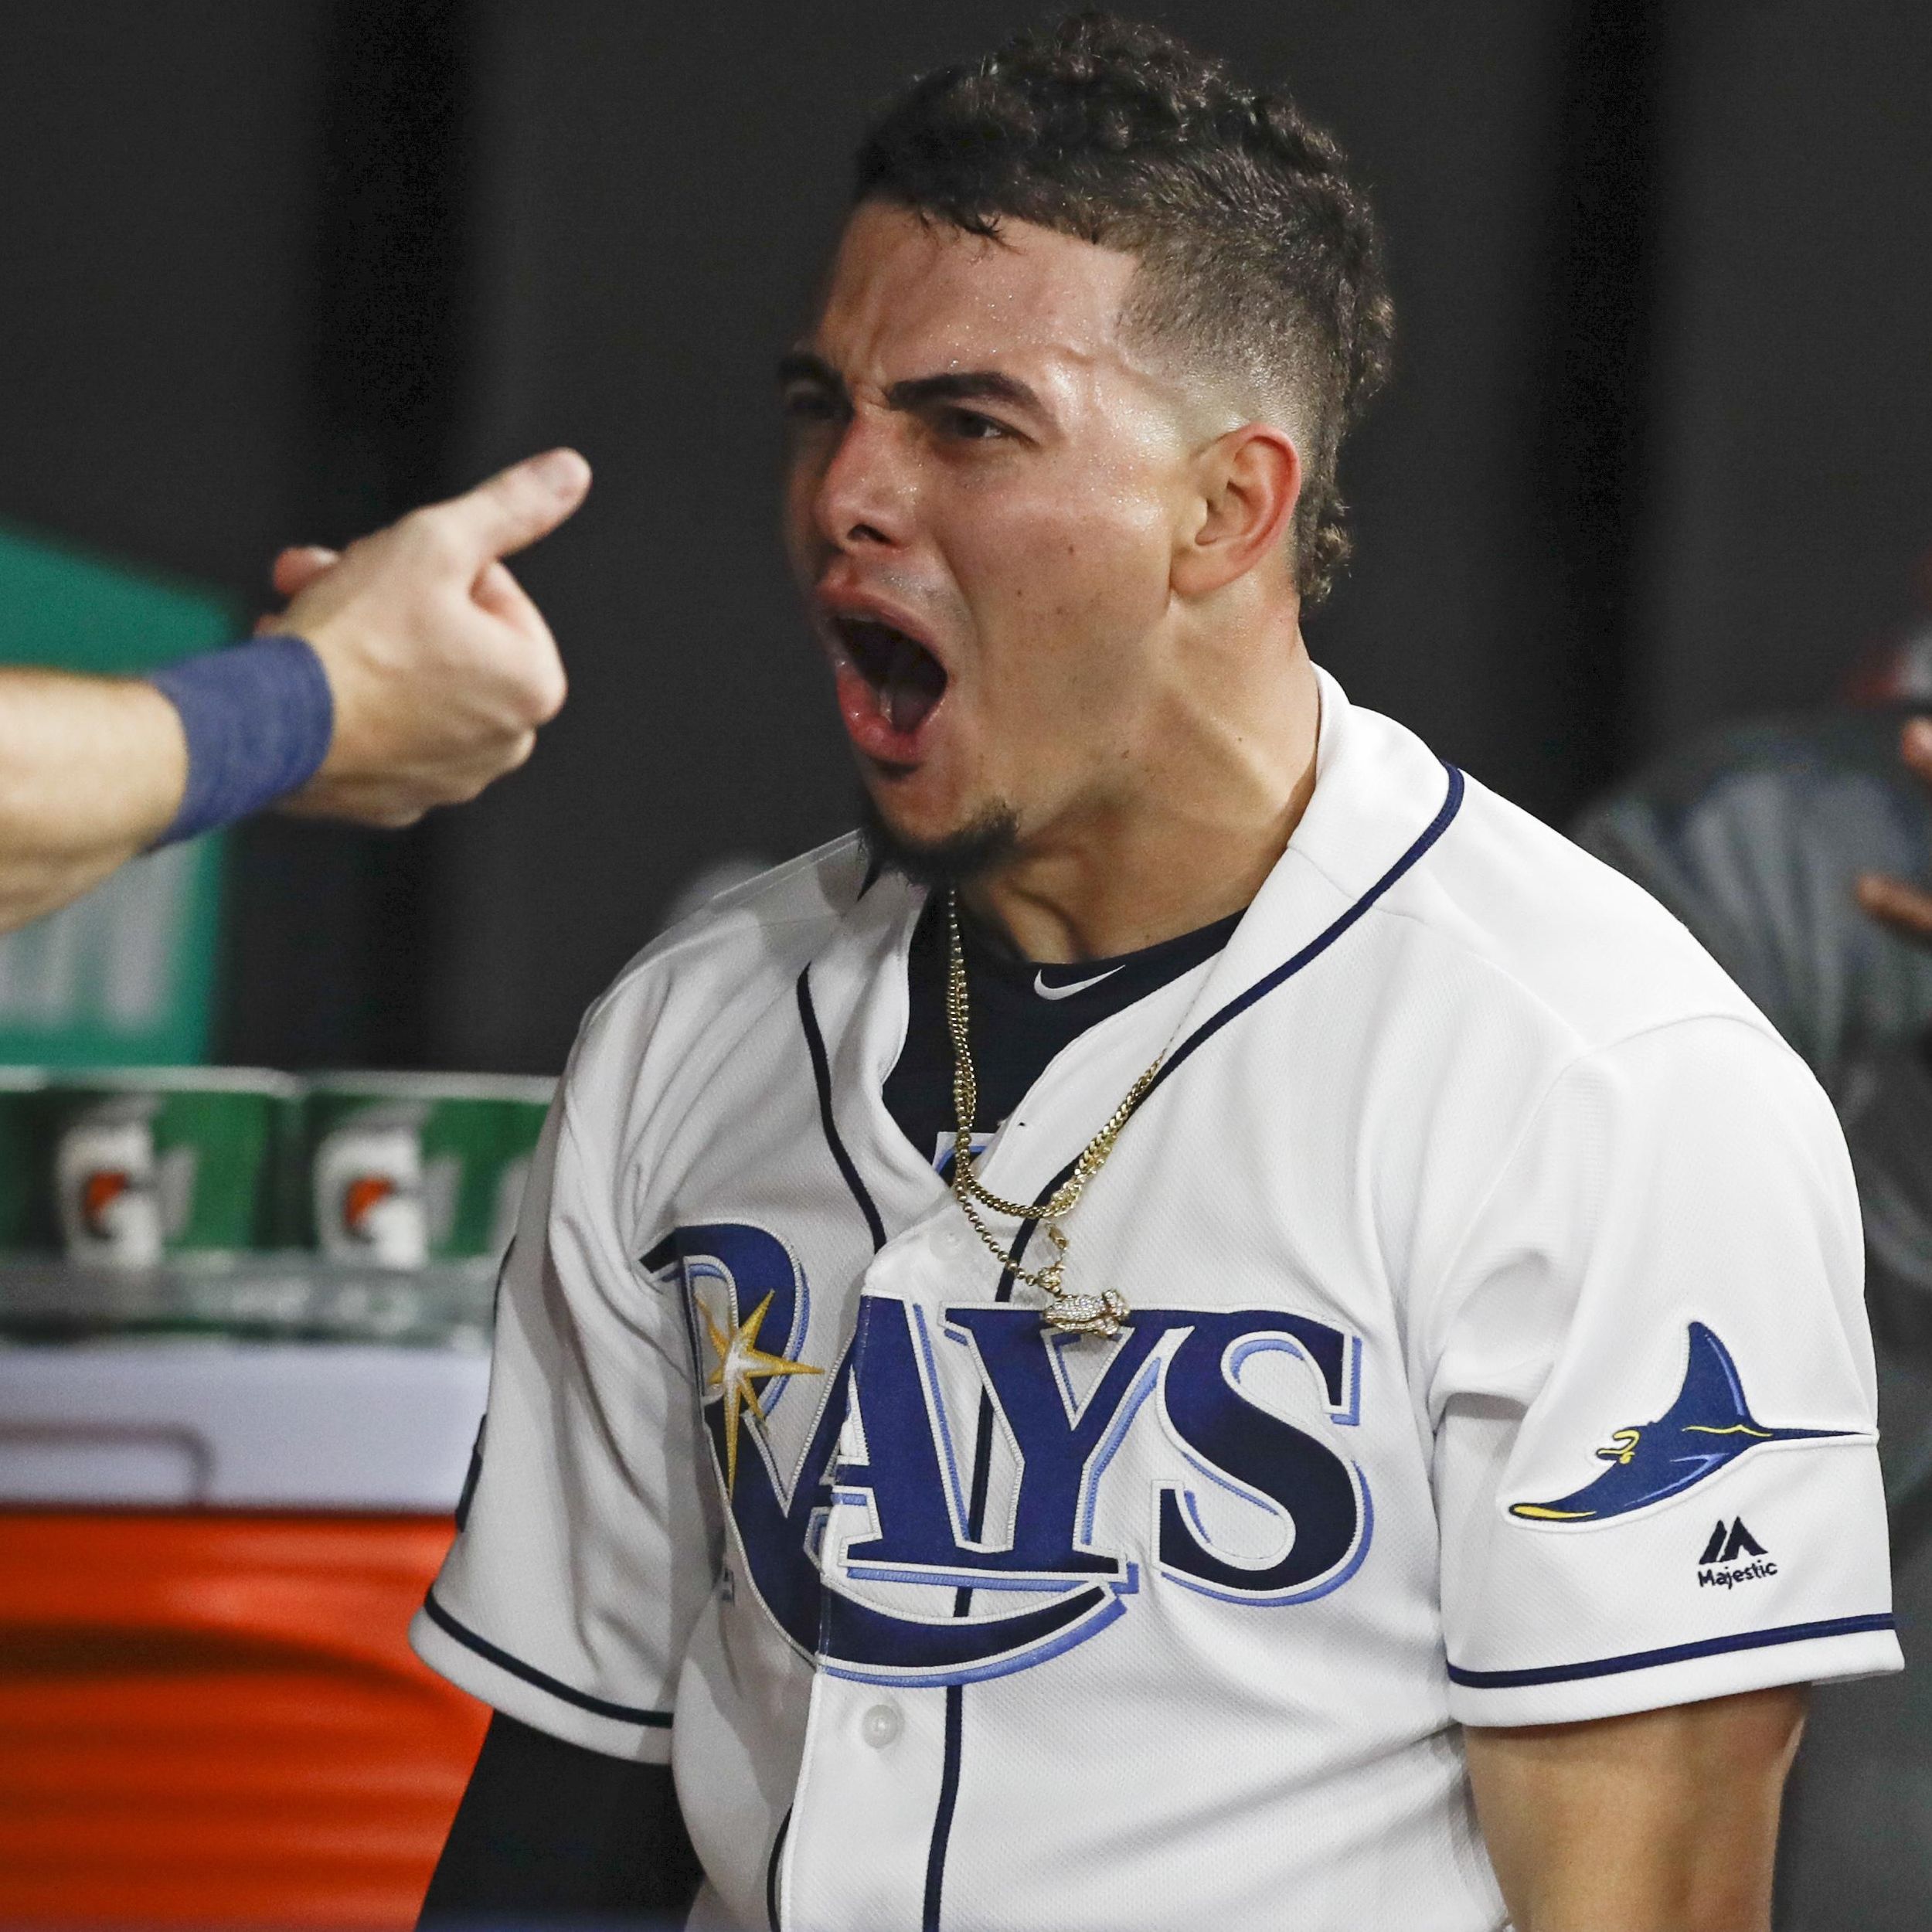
x: 875, y: 1549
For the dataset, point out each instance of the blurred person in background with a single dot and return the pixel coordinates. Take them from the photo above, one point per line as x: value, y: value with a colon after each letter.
x: 1797, y: 850
x: 407, y: 672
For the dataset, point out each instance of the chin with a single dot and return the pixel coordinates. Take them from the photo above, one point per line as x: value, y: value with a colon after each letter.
x: 976, y: 844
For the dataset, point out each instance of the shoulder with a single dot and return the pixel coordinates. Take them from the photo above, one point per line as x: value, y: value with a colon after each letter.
x: 699, y: 986
x: 1568, y: 1015
x: 1494, y: 919
x: 1548, y: 927
x: 1553, y: 1036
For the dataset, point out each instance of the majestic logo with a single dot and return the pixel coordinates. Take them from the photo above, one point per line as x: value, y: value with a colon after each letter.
x: 888, y: 1557
x: 1721, y: 1563
x: 1706, y: 1428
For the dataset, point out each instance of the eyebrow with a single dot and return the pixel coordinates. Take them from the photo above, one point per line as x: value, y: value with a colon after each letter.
x: 955, y: 385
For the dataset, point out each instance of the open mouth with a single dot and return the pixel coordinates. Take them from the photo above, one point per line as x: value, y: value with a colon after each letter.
x: 889, y: 685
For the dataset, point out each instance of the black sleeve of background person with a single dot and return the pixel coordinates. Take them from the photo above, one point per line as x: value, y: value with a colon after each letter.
x: 549, y: 1827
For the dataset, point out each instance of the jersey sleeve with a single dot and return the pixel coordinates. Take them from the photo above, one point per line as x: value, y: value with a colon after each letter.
x: 1653, y: 1394
x: 585, y: 1552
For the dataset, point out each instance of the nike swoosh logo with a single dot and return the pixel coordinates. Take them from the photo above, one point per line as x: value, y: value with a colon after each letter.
x: 1067, y: 992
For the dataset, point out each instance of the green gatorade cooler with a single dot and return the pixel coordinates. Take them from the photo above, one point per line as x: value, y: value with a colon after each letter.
x: 144, y: 1164
x: 406, y: 1168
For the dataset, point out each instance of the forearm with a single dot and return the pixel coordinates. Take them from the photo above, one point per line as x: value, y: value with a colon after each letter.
x: 92, y: 771
x: 1664, y: 1820
x: 422, y: 676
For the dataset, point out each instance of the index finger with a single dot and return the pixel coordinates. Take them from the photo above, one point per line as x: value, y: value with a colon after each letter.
x: 516, y: 506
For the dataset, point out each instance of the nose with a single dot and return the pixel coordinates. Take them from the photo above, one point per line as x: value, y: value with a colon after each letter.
x: 865, y: 496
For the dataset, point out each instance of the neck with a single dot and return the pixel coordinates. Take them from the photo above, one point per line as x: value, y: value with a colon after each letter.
x: 1213, y: 796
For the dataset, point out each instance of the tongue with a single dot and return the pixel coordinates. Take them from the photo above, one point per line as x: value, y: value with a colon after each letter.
x: 882, y: 720
x: 911, y: 689
x: 905, y: 709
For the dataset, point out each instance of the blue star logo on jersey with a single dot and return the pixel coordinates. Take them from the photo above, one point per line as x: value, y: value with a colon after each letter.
x: 1706, y: 1428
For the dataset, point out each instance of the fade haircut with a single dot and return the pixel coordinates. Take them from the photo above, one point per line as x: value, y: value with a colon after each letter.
x: 1259, y: 260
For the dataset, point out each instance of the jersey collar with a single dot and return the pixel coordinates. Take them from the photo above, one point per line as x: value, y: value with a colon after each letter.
x: 1379, y: 790
x: 1382, y: 797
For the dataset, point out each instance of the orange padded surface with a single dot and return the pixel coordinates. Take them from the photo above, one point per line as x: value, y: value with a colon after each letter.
x: 217, y: 1719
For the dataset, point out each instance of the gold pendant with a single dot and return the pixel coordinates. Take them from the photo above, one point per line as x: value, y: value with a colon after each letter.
x: 1101, y: 1314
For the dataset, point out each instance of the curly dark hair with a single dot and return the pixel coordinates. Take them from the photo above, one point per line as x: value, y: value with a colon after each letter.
x: 1258, y: 255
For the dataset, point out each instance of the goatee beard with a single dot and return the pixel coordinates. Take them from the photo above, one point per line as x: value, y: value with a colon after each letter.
x: 959, y: 858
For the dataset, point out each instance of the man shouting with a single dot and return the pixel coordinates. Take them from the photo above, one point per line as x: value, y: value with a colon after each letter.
x: 1210, y: 1325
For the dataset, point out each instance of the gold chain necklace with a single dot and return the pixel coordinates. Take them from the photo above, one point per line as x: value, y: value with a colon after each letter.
x: 1099, y: 1315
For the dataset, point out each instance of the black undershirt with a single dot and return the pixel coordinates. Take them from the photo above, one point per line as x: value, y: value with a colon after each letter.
x: 1014, y: 1028
x: 551, y: 1828
x: 549, y: 1832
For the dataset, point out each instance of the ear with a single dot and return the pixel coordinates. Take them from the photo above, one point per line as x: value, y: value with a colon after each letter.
x: 1247, y: 484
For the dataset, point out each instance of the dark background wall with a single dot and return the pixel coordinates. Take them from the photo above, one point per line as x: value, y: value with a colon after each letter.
x: 1656, y: 454
x: 1792, y: 382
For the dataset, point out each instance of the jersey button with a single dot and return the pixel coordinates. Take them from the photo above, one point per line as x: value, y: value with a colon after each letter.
x: 881, y: 1725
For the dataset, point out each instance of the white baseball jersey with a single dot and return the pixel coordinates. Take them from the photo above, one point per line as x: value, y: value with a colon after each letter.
x: 1496, y: 1357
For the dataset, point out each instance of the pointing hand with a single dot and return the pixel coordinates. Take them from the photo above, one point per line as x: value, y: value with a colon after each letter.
x: 441, y: 667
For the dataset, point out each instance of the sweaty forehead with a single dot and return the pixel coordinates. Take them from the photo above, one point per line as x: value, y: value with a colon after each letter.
x: 908, y: 298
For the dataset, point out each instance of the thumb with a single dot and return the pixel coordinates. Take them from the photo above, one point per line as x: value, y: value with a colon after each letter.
x: 518, y: 506
x: 498, y: 593
x: 298, y: 568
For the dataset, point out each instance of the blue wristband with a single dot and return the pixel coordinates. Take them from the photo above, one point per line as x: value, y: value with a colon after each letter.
x: 258, y: 717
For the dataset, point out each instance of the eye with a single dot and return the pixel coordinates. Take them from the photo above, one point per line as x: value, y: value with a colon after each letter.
x: 970, y: 427
x: 805, y: 405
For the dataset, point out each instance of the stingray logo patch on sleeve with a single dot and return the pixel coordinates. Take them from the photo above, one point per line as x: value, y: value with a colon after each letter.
x: 1705, y: 1430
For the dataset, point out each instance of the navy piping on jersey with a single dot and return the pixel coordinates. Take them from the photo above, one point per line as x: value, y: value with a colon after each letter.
x: 471, y: 1477
x: 943, y: 1813
x: 1451, y: 804
x: 1671, y: 1654
x: 821, y: 1077
x: 962, y: 1602
x: 771, y: 1870
x: 963, y: 1607
x: 602, y: 1706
